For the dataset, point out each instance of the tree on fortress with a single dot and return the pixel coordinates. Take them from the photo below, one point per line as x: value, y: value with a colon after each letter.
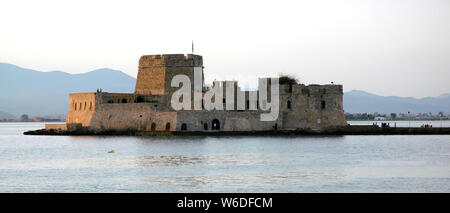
x: 287, y: 79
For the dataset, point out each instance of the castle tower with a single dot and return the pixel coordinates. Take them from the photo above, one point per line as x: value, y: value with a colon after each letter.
x: 156, y: 72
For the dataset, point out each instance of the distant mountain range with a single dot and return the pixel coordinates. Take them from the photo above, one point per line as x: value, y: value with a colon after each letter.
x: 6, y: 115
x: 360, y: 101
x: 26, y: 91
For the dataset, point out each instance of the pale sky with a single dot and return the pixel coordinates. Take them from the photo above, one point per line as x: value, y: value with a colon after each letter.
x: 387, y: 47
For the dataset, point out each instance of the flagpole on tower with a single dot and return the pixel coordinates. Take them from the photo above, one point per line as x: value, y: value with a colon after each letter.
x: 192, y: 47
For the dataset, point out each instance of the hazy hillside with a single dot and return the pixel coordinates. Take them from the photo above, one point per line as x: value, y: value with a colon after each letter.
x: 360, y: 101
x: 6, y: 115
x: 47, y: 93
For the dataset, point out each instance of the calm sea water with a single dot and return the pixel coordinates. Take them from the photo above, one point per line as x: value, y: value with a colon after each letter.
x: 222, y: 164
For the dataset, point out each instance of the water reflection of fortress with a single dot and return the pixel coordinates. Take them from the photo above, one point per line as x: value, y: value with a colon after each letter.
x: 149, y: 107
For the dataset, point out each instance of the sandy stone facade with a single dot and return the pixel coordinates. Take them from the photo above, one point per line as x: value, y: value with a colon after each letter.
x: 149, y: 109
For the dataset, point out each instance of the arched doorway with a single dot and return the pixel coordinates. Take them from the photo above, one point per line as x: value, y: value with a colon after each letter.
x: 215, y: 124
x: 168, y: 127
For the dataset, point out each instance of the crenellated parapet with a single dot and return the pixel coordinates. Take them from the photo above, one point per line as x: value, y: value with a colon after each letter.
x: 171, y: 60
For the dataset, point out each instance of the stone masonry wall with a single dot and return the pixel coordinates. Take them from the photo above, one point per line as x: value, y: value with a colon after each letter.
x: 137, y: 116
x: 313, y: 106
x: 81, y: 108
x: 156, y: 71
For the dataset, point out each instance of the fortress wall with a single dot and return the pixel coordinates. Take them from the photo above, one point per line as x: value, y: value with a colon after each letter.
x: 150, y: 80
x: 229, y: 120
x: 179, y: 65
x: 312, y: 106
x: 105, y: 97
x: 305, y: 112
x: 151, y: 75
x: 170, y: 73
x: 56, y: 126
x: 335, y: 111
x: 300, y: 114
x: 138, y: 116
x: 248, y: 121
x: 81, y: 108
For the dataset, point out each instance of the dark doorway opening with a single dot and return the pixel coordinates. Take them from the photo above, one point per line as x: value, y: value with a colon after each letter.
x: 153, y: 127
x: 139, y: 99
x: 183, y: 127
x: 167, y: 126
x: 205, y: 126
x: 215, y: 124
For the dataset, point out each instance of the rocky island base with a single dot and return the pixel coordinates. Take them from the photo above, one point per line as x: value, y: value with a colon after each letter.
x: 347, y: 130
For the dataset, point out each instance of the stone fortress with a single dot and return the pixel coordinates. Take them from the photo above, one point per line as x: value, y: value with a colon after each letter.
x: 149, y: 107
